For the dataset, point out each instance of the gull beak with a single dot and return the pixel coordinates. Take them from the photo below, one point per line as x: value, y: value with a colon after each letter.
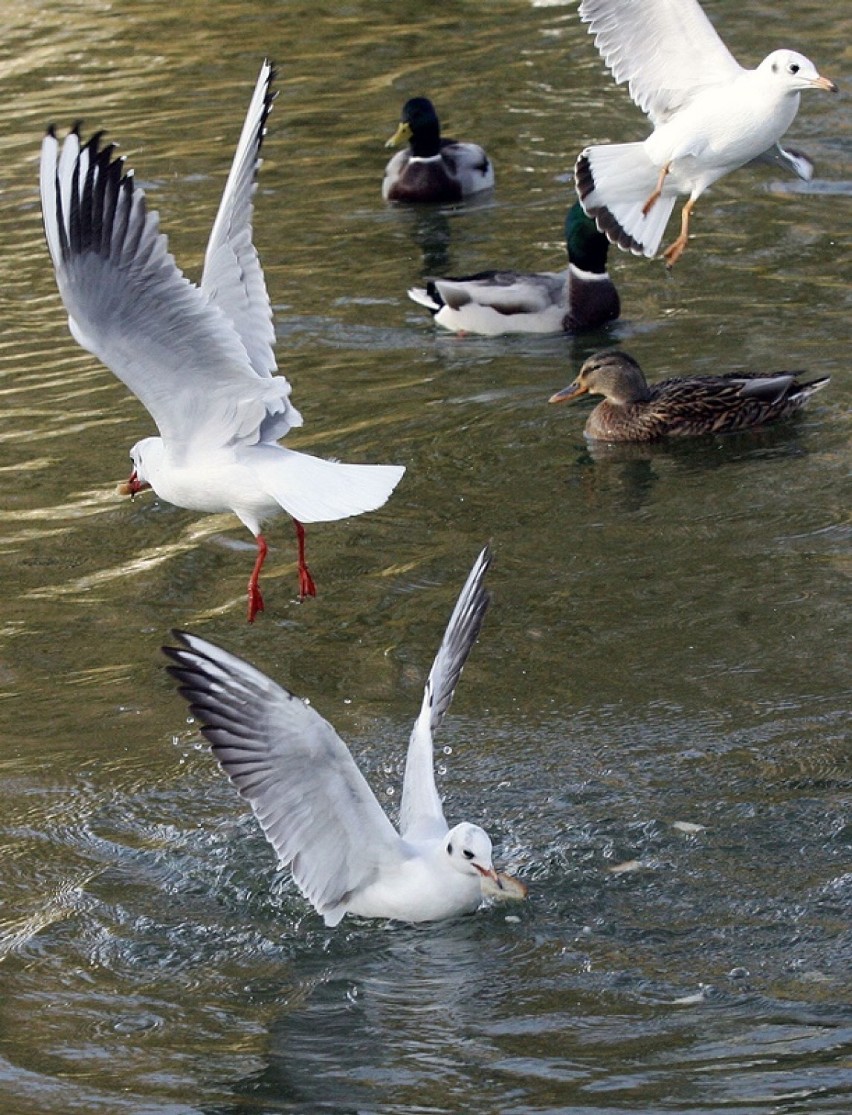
x: 496, y: 884
x: 824, y: 83
x: 132, y: 485
x: 572, y: 391
x: 401, y: 135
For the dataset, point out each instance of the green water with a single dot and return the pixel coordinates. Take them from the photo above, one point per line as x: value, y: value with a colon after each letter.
x: 667, y: 642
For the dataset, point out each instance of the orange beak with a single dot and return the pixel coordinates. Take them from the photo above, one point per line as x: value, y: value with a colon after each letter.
x: 572, y: 391
x: 824, y: 83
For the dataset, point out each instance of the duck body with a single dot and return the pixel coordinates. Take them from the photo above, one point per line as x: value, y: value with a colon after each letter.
x: 491, y: 303
x: 432, y: 168
x: 635, y: 411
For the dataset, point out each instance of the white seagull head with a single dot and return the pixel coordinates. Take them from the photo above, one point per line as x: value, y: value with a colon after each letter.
x: 794, y: 72
x: 468, y: 851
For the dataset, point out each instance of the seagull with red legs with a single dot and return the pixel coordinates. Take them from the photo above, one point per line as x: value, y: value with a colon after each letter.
x: 199, y: 357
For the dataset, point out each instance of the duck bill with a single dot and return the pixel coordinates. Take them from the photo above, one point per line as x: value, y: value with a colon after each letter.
x: 567, y: 394
x: 824, y: 83
x: 497, y: 884
x: 401, y: 135
x: 132, y: 485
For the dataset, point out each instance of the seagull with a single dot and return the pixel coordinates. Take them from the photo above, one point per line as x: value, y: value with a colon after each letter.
x: 200, y: 358
x: 314, y: 805
x: 710, y: 116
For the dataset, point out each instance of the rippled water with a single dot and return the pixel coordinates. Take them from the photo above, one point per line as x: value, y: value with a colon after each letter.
x: 652, y: 725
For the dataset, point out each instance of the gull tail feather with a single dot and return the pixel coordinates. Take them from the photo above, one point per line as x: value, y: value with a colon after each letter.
x: 313, y: 490
x: 614, y: 181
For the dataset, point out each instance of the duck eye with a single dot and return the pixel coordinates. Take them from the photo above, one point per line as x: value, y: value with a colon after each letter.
x: 468, y: 854
x: 449, y: 849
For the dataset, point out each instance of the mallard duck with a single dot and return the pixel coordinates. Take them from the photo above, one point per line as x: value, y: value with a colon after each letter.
x: 493, y: 302
x: 710, y: 116
x: 681, y: 407
x: 432, y: 169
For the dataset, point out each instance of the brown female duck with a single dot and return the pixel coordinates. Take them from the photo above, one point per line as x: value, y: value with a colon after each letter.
x: 634, y: 410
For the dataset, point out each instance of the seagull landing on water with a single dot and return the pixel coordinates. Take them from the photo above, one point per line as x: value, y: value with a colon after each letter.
x: 710, y: 116
x: 200, y: 358
x: 315, y: 806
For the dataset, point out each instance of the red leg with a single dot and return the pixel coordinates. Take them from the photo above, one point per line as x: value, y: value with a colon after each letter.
x: 306, y: 581
x: 255, y: 600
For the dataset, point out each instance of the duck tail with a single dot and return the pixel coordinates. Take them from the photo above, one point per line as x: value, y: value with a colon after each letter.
x: 427, y: 296
x: 803, y: 391
x: 614, y: 181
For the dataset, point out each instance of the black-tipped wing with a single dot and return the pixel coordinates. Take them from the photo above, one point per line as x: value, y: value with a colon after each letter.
x: 312, y: 802
x: 421, y: 813
x: 130, y: 305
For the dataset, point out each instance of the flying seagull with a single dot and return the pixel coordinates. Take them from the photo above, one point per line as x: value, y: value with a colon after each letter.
x: 200, y: 358
x: 314, y: 805
x: 710, y: 116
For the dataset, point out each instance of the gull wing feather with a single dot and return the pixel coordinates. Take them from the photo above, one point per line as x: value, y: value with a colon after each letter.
x: 421, y: 813
x: 129, y: 304
x: 666, y: 50
x: 313, y: 804
x: 233, y: 278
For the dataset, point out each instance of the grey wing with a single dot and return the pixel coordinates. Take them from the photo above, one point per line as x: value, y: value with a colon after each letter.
x: 508, y: 292
x: 796, y: 162
x: 233, y: 278
x: 313, y: 804
x: 666, y: 50
x: 130, y: 305
x: 421, y: 813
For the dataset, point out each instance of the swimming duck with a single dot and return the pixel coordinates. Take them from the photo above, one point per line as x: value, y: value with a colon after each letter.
x: 681, y: 407
x: 432, y: 169
x: 493, y: 302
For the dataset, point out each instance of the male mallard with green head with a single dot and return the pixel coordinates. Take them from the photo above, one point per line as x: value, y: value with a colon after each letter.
x: 494, y: 302
x: 634, y: 410
x: 432, y: 168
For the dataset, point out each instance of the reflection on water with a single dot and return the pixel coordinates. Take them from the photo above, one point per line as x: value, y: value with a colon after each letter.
x: 661, y: 683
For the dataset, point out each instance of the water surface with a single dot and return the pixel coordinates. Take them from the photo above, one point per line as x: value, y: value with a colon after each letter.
x: 661, y: 684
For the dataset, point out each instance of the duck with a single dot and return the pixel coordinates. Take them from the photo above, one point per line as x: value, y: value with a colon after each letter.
x: 635, y: 411
x: 491, y: 303
x: 709, y: 115
x: 432, y: 168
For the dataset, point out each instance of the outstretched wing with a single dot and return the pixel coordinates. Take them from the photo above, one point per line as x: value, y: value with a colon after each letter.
x: 666, y: 50
x: 233, y: 278
x: 421, y: 813
x: 129, y: 304
x: 312, y: 802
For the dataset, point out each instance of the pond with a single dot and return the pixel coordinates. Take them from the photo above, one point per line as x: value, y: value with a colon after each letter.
x: 653, y: 726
